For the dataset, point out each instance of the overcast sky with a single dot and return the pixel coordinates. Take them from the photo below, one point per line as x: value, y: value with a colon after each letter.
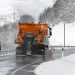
x: 32, y: 7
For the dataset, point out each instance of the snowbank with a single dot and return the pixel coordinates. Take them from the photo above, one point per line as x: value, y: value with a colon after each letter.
x: 63, y: 66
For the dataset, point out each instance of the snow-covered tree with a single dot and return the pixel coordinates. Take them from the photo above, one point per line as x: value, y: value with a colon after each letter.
x: 63, y: 10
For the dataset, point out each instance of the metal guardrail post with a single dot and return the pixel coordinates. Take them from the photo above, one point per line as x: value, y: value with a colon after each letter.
x: 51, y: 53
x: 0, y: 46
x: 62, y: 52
x: 0, y: 43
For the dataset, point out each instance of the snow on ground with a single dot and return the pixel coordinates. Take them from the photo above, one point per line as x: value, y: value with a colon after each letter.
x: 57, y: 37
x: 63, y: 66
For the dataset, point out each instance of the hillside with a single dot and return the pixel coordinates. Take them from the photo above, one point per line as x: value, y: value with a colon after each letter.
x: 63, y: 10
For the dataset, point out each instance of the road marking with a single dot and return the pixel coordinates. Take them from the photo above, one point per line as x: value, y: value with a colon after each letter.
x: 19, y: 69
x: 27, y: 70
x: 22, y: 67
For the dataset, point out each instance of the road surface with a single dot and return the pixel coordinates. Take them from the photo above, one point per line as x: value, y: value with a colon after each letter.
x: 10, y: 66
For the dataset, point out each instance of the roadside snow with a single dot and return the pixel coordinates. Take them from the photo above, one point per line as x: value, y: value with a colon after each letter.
x: 63, y: 66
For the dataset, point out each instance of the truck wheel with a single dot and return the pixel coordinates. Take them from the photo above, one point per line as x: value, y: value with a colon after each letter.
x: 44, y: 54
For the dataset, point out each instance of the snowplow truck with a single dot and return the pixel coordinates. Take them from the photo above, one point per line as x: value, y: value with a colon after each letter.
x: 32, y: 39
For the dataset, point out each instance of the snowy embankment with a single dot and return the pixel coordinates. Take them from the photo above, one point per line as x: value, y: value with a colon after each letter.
x: 57, y: 37
x: 63, y: 66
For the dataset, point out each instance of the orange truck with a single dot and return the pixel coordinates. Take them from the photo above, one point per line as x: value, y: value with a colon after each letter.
x: 32, y: 39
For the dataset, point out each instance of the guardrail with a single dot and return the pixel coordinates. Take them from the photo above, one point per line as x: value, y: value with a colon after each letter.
x: 61, y: 51
x: 7, y: 53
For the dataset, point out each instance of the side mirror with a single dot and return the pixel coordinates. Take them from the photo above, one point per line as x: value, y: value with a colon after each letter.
x: 50, y: 32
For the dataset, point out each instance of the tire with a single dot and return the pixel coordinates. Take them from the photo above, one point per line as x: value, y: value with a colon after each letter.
x: 45, y: 54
